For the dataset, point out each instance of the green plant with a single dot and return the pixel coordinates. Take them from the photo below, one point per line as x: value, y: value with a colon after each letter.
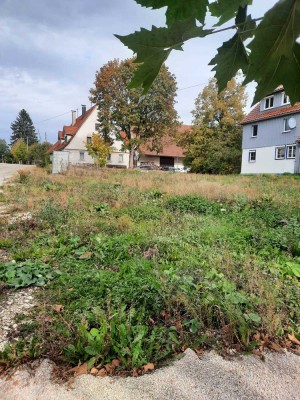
x: 267, y: 62
x: 25, y: 274
x: 192, y: 204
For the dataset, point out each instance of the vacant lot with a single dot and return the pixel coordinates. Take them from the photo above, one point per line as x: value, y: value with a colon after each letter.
x: 136, y: 267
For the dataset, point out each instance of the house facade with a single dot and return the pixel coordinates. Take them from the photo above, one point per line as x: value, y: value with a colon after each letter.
x: 271, y: 136
x: 70, y: 147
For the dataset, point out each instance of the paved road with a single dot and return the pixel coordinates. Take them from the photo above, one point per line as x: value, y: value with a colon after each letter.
x: 9, y: 170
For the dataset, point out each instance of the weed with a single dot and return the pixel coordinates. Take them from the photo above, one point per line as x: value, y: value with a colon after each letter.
x: 192, y: 204
x: 149, y: 267
x: 26, y: 274
x: 24, y: 176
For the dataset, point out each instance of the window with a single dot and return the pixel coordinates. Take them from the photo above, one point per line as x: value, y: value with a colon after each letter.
x: 285, y: 99
x: 254, y: 130
x: 291, y: 151
x: 121, y: 158
x: 88, y: 140
x: 286, y: 127
x: 252, y: 155
x: 269, y: 102
x: 81, y: 156
x: 109, y: 157
x: 280, y: 153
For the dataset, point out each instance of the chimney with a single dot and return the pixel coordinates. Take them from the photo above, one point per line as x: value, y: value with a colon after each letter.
x: 83, y: 110
x: 73, y: 117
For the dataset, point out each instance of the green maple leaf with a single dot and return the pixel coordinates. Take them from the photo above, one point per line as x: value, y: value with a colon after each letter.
x: 286, y: 72
x: 274, y: 37
x: 227, y: 9
x: 179, y: 9
x: 231, y: 57
x: 153, y: 47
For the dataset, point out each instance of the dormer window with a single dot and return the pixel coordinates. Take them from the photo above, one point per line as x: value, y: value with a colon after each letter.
x: 285, y: 99
x: 269, y: 102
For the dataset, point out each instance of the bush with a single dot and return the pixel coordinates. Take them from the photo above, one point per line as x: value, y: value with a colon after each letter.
x: 192, y: 204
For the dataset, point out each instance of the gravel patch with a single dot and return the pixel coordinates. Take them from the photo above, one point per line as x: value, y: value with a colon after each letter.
x: 13, y: 303
x: 209, y: 377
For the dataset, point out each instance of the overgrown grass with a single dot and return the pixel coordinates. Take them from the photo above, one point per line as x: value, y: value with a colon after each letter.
x: 141, y: 265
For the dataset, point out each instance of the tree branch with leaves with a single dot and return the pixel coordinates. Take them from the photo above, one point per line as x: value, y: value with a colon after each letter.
x: 98, y: 149
x: 270, y: 58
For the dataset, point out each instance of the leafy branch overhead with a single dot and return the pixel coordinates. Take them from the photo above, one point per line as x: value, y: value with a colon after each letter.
x: 270, y: 58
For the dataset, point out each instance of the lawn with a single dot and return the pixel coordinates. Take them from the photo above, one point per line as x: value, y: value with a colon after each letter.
x: 137, y: 266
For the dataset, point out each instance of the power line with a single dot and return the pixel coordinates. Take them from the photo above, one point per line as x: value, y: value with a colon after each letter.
x: 190, y: 87
x: 56, y: 116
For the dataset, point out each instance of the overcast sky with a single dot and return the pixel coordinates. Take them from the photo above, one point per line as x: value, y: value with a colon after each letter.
x: 51, y: 49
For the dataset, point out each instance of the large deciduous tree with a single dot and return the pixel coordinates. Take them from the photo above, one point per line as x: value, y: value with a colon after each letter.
x: 214, y: 146
x: 123, y: 109
x: 22, y: 128
x: 266, y: 49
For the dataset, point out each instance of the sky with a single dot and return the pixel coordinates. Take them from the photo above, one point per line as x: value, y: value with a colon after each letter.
x: 50, y: 51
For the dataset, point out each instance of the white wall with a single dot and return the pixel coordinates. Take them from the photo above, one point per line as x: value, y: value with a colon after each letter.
x: 74, y: 157
x: 266, y: 163
x: 77, y: 144
x: 114, y: 158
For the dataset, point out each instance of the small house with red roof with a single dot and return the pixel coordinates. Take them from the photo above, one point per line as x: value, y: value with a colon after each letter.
x: 169, y: 155
x: 70, y: 147
x: 271, y: 136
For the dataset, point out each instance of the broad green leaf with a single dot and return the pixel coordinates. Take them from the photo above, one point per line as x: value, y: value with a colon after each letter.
x: 274, y: 37
x: 153, y: 47
x: 227, y: 9
x: 285, y: 71
x: 231, y: 57
x: 179, y: 9
x: 254, y: 317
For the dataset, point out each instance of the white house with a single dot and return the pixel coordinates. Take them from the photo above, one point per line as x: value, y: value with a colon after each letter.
x: 271, y: 136
x: 70, y: 146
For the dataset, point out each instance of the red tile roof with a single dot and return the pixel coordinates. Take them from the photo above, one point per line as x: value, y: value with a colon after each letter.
x: 257, y: 115
x: 70, y: 130
x: 169, y: 146
x: 57, y: 146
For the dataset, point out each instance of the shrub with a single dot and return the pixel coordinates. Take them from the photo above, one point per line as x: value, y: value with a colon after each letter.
x: 192, y: 204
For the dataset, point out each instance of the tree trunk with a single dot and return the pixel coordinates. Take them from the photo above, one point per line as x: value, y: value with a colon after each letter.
x: 131, y: 153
